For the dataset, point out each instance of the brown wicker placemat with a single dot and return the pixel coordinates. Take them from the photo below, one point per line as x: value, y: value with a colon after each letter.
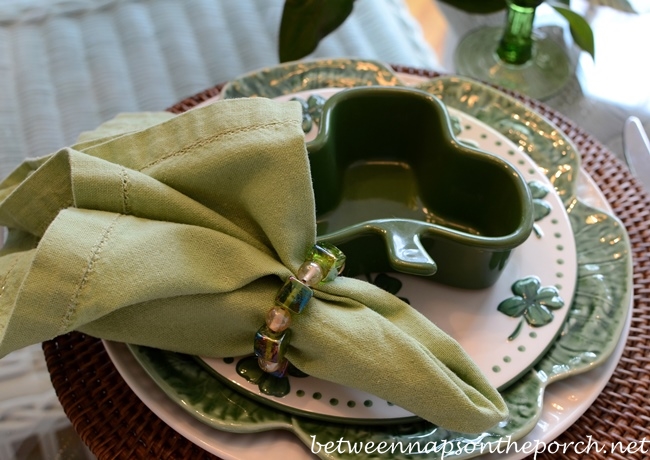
x: 115, y: 424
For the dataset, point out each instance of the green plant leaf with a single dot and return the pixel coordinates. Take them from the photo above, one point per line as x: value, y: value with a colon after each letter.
x: 477, y: 6
x: 580, y: 28
x: 306, y: 22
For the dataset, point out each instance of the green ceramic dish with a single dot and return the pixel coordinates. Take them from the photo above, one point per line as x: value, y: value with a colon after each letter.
x: 539, y: 138
x: 534, y: 134
x: 396, y: 191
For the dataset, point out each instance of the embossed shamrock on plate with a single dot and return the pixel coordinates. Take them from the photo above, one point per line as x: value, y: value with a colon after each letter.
x: 268, y: 384
x: 541, y: 207
x: 312, y: 110
x: 531, y: 302
x: 387, y: 283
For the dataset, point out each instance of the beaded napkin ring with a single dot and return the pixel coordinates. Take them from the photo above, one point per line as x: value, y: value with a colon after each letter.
x: 323, y: 264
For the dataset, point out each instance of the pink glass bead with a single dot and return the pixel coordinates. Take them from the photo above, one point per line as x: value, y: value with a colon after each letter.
x: 278, y: 319
x: 310, y: 273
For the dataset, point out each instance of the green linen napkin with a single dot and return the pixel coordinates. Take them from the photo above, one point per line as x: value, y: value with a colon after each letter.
x: 177, y: 232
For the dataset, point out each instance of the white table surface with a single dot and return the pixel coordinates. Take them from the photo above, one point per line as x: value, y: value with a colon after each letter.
x: 604, y: 91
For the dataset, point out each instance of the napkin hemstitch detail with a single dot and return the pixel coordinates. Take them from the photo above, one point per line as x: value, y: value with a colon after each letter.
x: 210, y: 139
x: 92, y: 260
x: 124, y: 178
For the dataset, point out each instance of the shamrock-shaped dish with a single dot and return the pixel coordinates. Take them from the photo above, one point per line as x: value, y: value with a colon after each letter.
x: 396, y: 191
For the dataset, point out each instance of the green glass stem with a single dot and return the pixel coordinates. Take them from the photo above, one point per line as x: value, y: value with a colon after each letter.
x: 514, y: 56
x: 516, y: 44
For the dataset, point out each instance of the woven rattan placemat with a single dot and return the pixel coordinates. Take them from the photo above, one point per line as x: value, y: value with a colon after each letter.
x: 115, y: 424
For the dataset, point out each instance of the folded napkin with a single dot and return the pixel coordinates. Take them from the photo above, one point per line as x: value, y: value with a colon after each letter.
x: 177, y: 232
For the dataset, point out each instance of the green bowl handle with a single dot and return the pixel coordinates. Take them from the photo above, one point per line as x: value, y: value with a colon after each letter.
x: 405, y: 251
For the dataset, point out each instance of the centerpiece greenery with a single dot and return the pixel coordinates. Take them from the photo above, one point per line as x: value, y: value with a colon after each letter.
x: 306, y: 22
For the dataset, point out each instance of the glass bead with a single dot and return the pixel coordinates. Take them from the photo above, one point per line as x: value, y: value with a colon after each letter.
x: 330, y: 258
x: 271, y: 346
x: 310, y: 273
x: 278, y: 319
x: 315, y: 101
x: 277, y: 369
x: 294, y: 295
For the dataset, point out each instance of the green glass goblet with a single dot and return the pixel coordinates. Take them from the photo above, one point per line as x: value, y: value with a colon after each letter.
x: 515, y: 57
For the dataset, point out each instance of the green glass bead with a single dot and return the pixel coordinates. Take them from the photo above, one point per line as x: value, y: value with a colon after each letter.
x: 330, y: 258
x: 277, y: 369
x: 271, y: 346
x: 294, y: 295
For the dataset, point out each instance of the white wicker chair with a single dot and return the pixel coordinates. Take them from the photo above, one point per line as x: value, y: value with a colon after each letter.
x: 68, y: 65
x: 30, y: 412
